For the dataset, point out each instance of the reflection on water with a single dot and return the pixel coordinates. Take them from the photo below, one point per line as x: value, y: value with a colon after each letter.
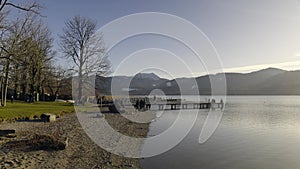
x: 256, y: 132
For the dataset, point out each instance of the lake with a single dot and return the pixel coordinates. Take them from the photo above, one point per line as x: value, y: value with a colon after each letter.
x: 256, y: 132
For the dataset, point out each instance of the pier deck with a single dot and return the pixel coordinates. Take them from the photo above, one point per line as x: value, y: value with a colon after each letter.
x: 188, y: 105
x: 172, y: 105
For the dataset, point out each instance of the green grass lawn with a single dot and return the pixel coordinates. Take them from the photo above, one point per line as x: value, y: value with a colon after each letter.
x: 20, y: 109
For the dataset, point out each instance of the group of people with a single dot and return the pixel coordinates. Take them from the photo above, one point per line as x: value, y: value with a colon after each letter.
x: 142, y: 104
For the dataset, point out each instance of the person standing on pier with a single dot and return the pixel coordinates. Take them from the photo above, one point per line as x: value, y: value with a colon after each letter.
x: 148, y: 104
x: 142, y: 104
x: 137, y: 104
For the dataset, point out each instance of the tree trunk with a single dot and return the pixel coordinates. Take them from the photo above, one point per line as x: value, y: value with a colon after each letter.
x: 43, y: 94
x: 5, y: 84
x: 79, y: 88
x: 80, y: 80
x: 16, y: 83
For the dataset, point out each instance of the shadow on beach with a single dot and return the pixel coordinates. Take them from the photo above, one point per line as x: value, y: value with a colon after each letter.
x: 35, y: 143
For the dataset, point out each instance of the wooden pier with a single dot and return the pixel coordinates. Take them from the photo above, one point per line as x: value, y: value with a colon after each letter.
x: 190, y: 105
x: 170, y: 104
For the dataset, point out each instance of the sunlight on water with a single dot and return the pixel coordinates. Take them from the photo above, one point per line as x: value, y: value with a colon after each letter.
x: 261, y: 132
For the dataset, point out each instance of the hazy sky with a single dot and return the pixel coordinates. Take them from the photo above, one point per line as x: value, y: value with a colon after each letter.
x: 248, y: 34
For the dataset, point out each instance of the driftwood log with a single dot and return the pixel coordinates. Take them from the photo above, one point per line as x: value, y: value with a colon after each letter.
x: 7, y: 132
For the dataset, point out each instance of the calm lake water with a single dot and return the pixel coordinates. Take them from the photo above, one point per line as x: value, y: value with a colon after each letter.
x: 256, y: 132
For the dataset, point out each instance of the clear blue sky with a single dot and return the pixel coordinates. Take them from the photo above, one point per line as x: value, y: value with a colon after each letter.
x: 248, y: 34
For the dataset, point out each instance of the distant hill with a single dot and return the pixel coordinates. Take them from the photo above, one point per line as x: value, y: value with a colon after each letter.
x: 270, y: 81
x: 248, y: 83
x: 287, y: 83
x: 150, y: 76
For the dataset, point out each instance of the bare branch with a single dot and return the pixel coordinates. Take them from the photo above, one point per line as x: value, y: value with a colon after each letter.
x: 86, y: 50
x: 3, y: 4
x: 33, y: 7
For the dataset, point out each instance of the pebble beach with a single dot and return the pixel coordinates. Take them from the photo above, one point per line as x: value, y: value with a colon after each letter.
x: 80, y: 151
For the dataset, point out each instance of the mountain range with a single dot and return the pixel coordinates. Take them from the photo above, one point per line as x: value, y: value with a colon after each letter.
x: 270, y: 81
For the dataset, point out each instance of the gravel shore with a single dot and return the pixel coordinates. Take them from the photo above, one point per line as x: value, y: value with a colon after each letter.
x: 81, y: 152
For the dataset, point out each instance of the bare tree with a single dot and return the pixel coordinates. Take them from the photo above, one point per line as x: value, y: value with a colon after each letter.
x: 86, y: 49
x: 10, y: 38
x: 32, y: 7
x: 38, y: 54
x: 10, y: 35
x: 58, y: 81
x: 25, y: 50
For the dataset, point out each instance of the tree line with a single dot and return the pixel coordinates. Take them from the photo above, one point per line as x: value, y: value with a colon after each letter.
x: 27, y: 59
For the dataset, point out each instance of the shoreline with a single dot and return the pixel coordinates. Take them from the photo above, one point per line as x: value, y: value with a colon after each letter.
x: 81, y: 151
